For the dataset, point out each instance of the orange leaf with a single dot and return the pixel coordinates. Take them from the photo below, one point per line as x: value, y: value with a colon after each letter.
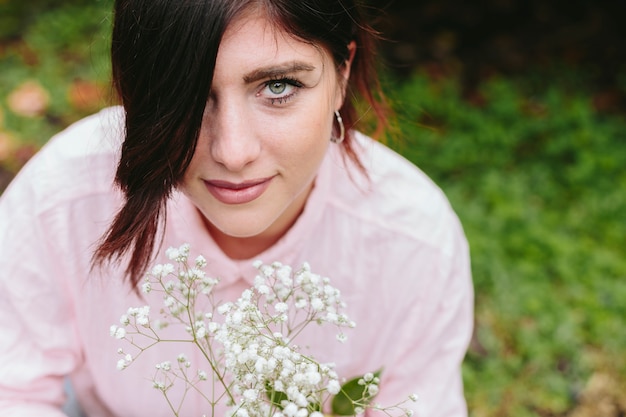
x: 7, y: 146
x: 29, y: 99
x: 85, y: 95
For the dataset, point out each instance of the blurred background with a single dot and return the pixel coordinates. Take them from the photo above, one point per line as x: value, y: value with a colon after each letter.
x: 516, y: 108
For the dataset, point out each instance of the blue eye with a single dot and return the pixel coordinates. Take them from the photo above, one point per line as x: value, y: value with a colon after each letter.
x: 277, y: 87
x: 279, y: 91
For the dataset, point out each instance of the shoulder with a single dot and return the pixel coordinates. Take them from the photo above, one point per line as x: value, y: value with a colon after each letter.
x: 78, y: 162
x: 398, y: 200
x: 93, y: 140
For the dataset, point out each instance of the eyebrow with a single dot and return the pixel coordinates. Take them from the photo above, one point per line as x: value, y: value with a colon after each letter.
x: 277, y: 71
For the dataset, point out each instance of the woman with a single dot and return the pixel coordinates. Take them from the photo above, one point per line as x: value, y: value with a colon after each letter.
x: 237, y: 135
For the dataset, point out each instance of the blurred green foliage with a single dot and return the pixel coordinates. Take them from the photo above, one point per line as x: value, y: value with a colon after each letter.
x: 535, y: 174
x: 17, y: 16
x: 55, y: 43
x: 538, y: 179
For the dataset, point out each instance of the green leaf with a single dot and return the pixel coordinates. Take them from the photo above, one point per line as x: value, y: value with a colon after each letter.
x: 275, y: 397
x: 343, y: 404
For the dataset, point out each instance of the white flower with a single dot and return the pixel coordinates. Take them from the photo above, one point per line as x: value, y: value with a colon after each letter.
x: 167, y: 269
x: 372, y: 389
x: 332, y: 317
x: 200, y: 332
x: 250, y: 394
x: 278, y: 385
x: 224, y: 308
x: 171, y: 303
x: 236, y: 317
x: 172, y: 253
x: 283, y: 273
x: 121, y: 364
x: 124, y: 362
x: 179, y: 254
x: 280, y: 352
x: 317, y: 304
x: 200, y: 262
x: 341, y: 337
x: 164, y: 366
x: 281, y: 307
x: 196, y: 274
x: 246, y: 295
x: 213, y: 327
x: 207, y: 285
x: 266, y: 271
x: 143, y: 318
x: 156, y: 269
x: 242, y: 412
x: 256, y: 337
x: 414, y: 397
x: 117, y: 332
x: 313, y: 378
x: 260, y: 365
x: 290, y: 409
x: 125, y: 320
x: 333, y: 387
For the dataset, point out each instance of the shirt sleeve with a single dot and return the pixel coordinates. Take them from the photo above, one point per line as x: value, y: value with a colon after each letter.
x: 433, y: 338
x: 38, y: 338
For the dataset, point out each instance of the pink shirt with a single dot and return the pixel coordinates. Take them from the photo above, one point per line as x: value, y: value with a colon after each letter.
x: 393, y: 246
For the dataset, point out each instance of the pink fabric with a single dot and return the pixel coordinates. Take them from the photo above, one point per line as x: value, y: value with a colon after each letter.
x: 393, y: 246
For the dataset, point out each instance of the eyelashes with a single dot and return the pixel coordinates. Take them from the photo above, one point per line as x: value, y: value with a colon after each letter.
x: 280, y: 90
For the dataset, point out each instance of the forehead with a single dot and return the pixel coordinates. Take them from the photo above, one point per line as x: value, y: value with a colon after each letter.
x: 253, y: 39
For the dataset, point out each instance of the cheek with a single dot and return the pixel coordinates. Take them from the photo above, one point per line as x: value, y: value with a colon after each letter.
x: 309, y: 128
x: 304, y: 143
x: 195, y: 169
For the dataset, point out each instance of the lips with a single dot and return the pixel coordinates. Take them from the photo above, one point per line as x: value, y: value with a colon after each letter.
x: 238, y: 193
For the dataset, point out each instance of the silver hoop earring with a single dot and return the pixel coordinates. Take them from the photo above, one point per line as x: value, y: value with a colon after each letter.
x: 342, y: 130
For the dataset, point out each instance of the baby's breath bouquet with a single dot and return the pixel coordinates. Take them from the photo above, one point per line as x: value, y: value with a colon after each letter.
x: 249, y: 344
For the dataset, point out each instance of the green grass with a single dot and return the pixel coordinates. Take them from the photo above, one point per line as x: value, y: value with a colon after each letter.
x: 535, y: 174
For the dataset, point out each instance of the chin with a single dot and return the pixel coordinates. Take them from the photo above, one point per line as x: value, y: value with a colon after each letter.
x: 240, y: 228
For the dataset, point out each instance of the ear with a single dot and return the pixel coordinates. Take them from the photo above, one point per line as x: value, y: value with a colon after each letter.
x: 344, y: 72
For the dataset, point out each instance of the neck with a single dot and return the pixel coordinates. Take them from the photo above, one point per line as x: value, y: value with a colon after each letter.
x: 241, y: 247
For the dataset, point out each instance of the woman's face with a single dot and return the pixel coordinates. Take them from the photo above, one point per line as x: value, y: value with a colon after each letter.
x: 266, y: 129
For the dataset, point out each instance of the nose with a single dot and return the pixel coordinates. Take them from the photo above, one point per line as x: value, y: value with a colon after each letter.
x: 232, y: 139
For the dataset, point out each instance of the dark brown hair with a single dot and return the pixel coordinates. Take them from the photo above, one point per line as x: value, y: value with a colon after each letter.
x: 163, y: 56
